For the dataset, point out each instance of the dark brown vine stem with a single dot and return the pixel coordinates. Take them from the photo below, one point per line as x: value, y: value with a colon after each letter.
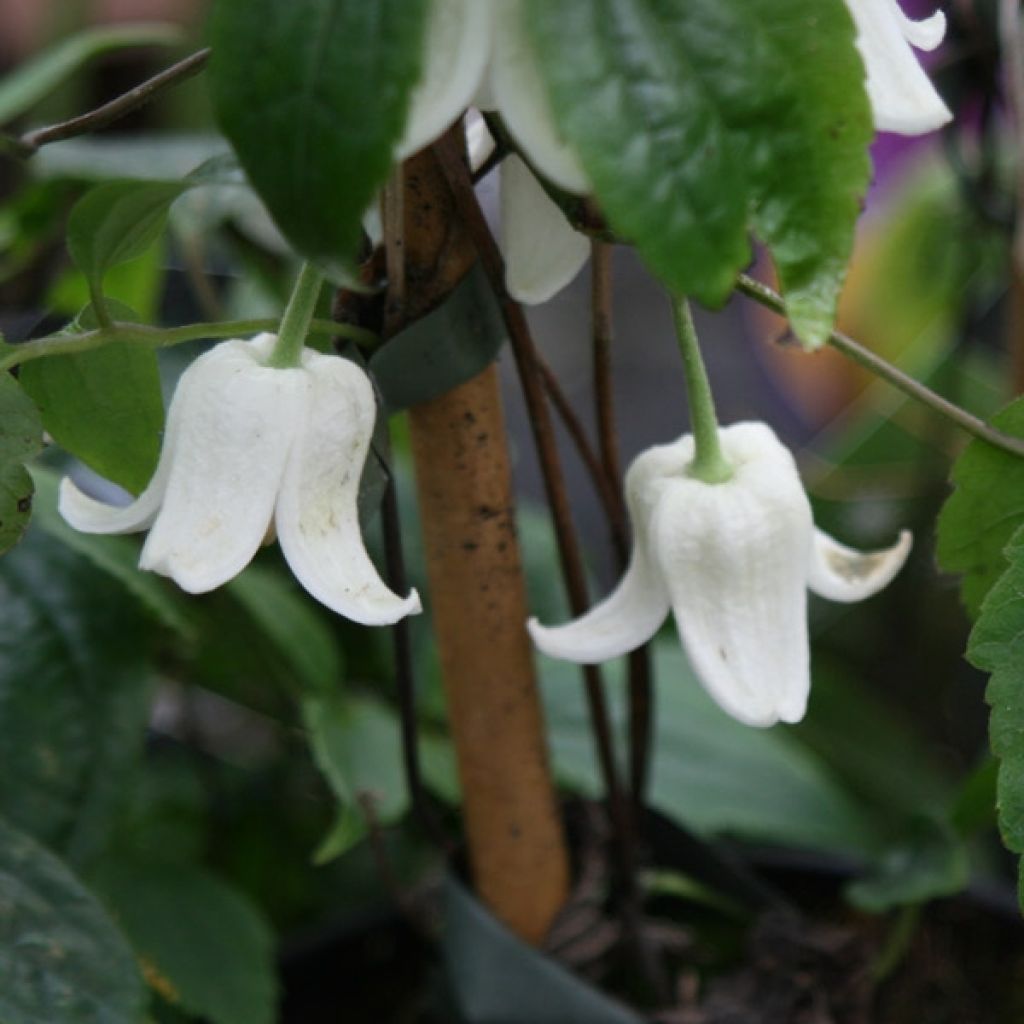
x: 641, y: 688
x: 453, y: 163
x: 108, y: 113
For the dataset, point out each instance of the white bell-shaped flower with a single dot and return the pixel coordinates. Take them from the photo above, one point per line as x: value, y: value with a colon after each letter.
x: 902, y: 96
x: 733, y: 561
x: 478, y: 55
x: 245, y: 446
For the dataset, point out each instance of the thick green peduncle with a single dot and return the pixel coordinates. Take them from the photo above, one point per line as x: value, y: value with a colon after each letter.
x: 709, y: 464
x: 297, y: 318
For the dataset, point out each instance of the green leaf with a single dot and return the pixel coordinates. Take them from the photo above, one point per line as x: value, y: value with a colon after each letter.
x: 105, y: 406
x: 36, y: 79
x: 710, y: 773
x: 356, y: 742
x: 448, y: 347
x: 74, y: 696
x: 497, y: 979
x: 62, y: 961
x: 313, y: 95
x: 997, y: 646
x: 928, y: 863
x: 984, y: 511
x: 118, y: 557
x: 688, y: 116
x: 117, y: 221
x: 21, y: 435
x: 204, y: 947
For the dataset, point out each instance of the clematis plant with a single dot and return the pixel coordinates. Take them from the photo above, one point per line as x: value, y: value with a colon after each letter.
x: 724, y: 538
x: 479, y: 53
x: 260, y: 433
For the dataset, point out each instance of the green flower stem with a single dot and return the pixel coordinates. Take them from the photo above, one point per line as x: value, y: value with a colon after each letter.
x: 912, y: 388
x: 157, y: 337
x: 709, y: 464
x: 297, y: 318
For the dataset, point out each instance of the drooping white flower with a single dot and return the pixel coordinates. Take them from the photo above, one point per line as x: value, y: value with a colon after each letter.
x: 478, y: 55
x: 733, y: 561
x: 902, y: 96
x: 245, y: 446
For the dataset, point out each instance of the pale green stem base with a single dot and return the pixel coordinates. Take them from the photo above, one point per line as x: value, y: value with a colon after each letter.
x: 296, y: 320
x: 709, y: 463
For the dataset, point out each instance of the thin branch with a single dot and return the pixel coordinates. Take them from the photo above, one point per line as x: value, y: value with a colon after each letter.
x: 855, y: 351
x: 641, y: 688
x: 606, y: 490
x: 108, y: 113
x: 157, y: 337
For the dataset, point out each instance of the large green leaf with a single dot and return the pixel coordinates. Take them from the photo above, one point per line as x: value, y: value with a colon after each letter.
x: 105, y: 406
x: 997, y: 646
x: 205, y: 948
x: 984, y: 511
x: 37, y: 78
x: 21, y: 435
x: 687, y: 116
x: 497, y: 979
x: 313, y: 95
x: 74, y: 695
x: 711, y: 773
x: 62, y: 961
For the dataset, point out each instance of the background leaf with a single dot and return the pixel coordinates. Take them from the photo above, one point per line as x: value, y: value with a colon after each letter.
x: 116, y: 222
x: 313, y: 94
x: 36, y: 79
x: 687, y: 115
x: 710, y: 773
x: 21, y: 435
x: 984, y: 511
x: 74, y: 695
x: 357, y: 745
x: 499, y: 980
x: 204, y: 947
x: 62, y: 961
x: 104, y: 406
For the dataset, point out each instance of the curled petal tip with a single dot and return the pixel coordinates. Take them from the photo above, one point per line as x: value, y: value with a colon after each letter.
x: 91, y: 516
x: 844, y: 574
x: 926, y: 34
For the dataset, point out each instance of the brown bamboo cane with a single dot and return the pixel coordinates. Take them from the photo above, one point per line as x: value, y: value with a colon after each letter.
x: 477, y: 602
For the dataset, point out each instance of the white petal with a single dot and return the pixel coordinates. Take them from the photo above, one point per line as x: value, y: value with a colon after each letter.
x: 317, y: 511
x: 734, y: 560
x: 840, y: 573
x: 237, y: 422
x: 543, y: 252
x: 92, y: 516
x: 925, y: 34
x: 902, y: 96
x: 518, y: 93
x: 634, y: 610
x: 479, y: 141
x: 458, y: 47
